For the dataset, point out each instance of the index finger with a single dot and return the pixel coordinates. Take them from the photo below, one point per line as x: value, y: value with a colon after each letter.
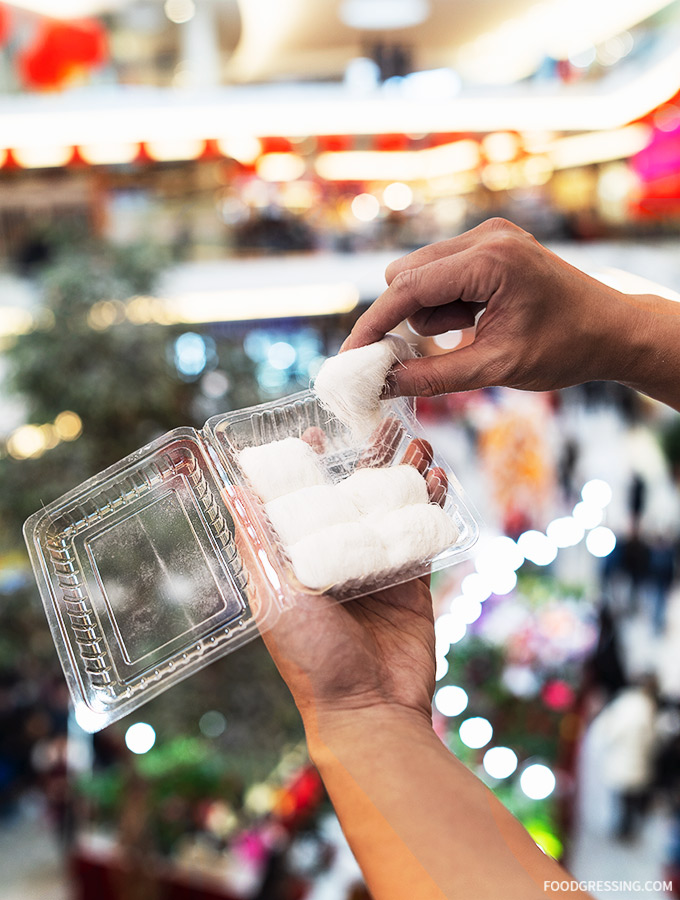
x: 438, y: 250
x: 436, y: 283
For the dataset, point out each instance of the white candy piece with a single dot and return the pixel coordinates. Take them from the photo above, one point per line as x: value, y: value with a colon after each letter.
x: 414, y: 533
x: 310, y: 509
x: 381, y: 490
x: 350, y: 384
x: 338, y: 554
x: 281, y: 467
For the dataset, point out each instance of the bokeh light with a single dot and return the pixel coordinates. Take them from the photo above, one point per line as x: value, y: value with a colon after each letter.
x: 397, y: 196
x: 475, y: 732
x: 140, y: 738
x: 565, y: 532
x: 537, y: 547
x: 500, y: 762
x: 451, y: 700
x: 601, y: 541
x: 191, y: 355
x: 365, y: 207
x: 212, y: 724
x: 596, y: 492
x: 476, y: 587
x: 588, y: 515
x: 537, y: 781
x: 466, y: 609
x: 180, y: 11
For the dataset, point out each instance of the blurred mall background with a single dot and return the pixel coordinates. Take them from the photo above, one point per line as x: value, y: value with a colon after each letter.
x: 197, y: 198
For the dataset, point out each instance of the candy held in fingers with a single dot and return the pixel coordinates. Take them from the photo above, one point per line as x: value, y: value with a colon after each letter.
x: 374, y: 490
x: 311, y: 509
x: 414, y: 533
x: 337, y: 555
x: 351, y: 384
x: 281, y: 467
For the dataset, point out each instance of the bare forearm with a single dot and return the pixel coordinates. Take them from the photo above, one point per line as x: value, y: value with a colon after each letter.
x: 420, y: 824
x: 649, y: 341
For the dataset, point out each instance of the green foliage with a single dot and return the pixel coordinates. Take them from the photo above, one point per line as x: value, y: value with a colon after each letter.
x: 120, y: 380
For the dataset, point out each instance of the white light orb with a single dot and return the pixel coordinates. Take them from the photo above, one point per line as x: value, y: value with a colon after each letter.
x: 506, y: 552
x: 601, y: 541
x: 180, y: 11
x: 596, y: 492
x: 475, y: 732
x: 466, y: 609
x: 87, y: 719
x: 281, y: 355
x: 587, y: 514
x: 500, y: 762
x: 451, y: 700
x: 537, y: 547
x: 565, y: 531
x: 442, y: 668
x: 520, y: 681
x: 365, y: 207
x: 503, y: 582
x: 537, y: 782
x: 140, y: 737
x: 448, y: 629
x: 397, y: 196
x: 476, y: 587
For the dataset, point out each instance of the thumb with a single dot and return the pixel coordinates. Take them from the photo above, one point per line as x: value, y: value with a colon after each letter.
x: 467, y: 369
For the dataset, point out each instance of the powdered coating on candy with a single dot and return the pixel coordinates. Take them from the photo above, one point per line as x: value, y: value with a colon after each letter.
x: 296, y: 515
x: 375, y: 490
x: 281, y: 467
x: 350, y: 384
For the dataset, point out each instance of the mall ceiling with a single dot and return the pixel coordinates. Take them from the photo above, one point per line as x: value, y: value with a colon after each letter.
x: 485, y: 41
x: 310, y: 37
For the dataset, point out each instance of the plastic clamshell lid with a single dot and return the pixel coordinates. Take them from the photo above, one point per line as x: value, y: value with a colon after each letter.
x: 140, y: 577
x: 301, y: 415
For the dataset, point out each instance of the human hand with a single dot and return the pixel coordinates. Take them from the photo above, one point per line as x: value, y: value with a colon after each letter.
x: 545, y: 325
x: 373, y: 652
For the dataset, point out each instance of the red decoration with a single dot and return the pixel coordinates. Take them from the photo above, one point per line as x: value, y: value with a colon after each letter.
x: 299, y: 797
x: 335, y: 143
x: 4, y: 23
x: 558, y: 695
x: 276, y: 145
x: 61, y: 51
x: 389, y: 142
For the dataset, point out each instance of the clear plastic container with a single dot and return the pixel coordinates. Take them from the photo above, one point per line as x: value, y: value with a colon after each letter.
x: 139, y: 567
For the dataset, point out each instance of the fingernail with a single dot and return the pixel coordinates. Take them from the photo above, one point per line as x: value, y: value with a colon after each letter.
x: 391, y: 387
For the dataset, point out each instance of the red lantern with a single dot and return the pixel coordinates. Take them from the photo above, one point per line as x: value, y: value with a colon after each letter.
x: 61, y: 51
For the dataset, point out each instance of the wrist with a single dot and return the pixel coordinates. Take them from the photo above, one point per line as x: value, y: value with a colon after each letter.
x: 334, y: 731
x: 649, y: 356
